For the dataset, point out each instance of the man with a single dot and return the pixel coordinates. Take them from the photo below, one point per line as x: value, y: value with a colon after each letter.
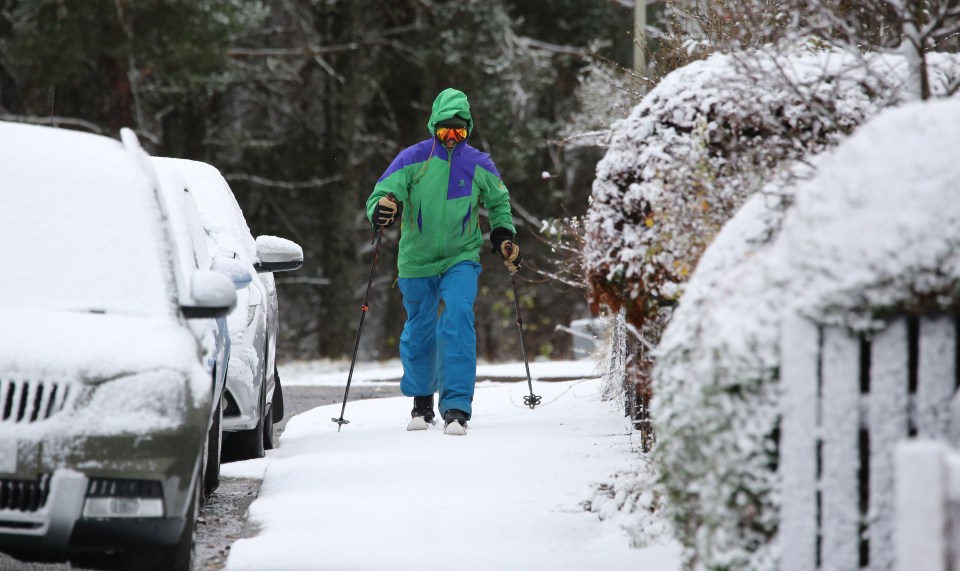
x: 441, y: 182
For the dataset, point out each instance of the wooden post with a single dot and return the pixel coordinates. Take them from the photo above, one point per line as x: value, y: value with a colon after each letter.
x: 921, y: 501
x: 640, y: 37
x: 936, y: 377
x: 887, y: 414
x: 799, y: 376
x: 839, y: 482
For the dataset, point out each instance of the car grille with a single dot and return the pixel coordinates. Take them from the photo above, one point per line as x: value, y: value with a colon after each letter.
x: 31, y: 401
x: 24, y: 496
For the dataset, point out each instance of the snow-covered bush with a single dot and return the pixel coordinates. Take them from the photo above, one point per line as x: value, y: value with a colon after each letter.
x: 703, y: 141
x: 873, y: 228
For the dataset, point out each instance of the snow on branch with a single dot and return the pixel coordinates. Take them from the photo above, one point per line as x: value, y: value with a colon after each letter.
x: 709, y: 136
x: 53, y: 121
x: 280, y: 184
x: 531, y: 43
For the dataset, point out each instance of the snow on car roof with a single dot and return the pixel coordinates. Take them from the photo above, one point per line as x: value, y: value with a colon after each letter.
x: 185, y: 226
x: 80, y: 225
x: 221, y: 215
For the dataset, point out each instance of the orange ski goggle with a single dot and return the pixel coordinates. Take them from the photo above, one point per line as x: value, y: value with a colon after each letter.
x: 457, y: 134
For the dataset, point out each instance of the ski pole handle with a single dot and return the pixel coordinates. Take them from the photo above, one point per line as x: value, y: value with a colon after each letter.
x: 511, y: 261
x: 392, y: 198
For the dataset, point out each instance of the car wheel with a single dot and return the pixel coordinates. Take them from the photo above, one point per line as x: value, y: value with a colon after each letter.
x: 248, y: 444
x: 177, y: 557
x: 180, y: 556
x: 211, y: 476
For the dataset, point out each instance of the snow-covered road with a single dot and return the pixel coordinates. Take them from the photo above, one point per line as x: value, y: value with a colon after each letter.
x: 508, y: 495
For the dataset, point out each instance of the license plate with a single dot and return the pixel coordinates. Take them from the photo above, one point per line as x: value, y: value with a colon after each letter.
x: 8, y: 455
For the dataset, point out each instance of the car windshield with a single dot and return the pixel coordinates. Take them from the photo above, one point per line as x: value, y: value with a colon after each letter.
x: 80, y: 225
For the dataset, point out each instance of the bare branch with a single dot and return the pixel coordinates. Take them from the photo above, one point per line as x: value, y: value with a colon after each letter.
x: 532, y: 43
x: 248, y: 144
x: 53, y: 121
x: 280, y: 184
x: 603, y: 135
x: 304, y: 280
x: 631, y: 3
x: 305, y: 51
x: 524, y: 213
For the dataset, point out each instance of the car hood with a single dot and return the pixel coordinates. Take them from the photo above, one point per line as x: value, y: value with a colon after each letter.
x: 92, y: 347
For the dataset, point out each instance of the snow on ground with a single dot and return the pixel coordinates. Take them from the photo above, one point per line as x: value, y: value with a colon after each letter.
x: 508, y: 495
x: 335, y: 372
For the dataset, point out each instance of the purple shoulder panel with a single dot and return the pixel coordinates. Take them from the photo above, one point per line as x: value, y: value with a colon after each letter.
x: 486, y: 163
x: 411, y: 155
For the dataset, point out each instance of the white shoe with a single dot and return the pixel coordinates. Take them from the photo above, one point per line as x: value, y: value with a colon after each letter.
x: 455, y: 429
x: 417, y: 423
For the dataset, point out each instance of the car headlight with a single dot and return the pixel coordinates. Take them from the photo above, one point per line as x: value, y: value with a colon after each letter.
x: 141, y: 403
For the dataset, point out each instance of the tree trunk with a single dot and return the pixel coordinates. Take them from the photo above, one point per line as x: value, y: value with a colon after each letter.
x: 914, y: 47
x: 121, y: 94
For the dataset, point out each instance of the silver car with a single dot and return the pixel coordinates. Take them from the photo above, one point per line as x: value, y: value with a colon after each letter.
x: 110, y: 355
x: 254, y: 397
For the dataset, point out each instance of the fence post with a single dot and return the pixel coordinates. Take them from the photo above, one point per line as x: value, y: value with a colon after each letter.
x: 936, y: 376
x: 888, y: 423
x: 799, y: 377
x: 921, y: 502
x: 840, y: 425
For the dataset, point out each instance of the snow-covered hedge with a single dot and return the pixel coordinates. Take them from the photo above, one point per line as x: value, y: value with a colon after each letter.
x: 705, y: 139
x: 876, y: 229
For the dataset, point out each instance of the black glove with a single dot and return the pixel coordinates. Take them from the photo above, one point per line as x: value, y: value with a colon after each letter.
x: 502, y: 241
x: 385, y: 214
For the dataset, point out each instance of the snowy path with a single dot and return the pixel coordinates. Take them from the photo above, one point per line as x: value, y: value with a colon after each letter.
x: 505, y: 496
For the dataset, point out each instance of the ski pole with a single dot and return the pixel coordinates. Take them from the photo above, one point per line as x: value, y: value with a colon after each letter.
x: 376, y: 254
x: 530, y: 400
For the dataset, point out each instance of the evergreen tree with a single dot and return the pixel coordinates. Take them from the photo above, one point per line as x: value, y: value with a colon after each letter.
x: 302, y: 105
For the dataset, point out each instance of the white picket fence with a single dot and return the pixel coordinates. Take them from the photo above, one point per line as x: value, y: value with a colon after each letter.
x: 927, y: 506
x: 848, y: 402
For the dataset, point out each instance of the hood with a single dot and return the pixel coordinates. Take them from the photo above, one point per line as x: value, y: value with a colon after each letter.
x: 92, y: 347
x: 450, y: 102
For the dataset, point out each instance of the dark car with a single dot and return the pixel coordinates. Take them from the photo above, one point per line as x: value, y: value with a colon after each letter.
x: 109, y: 352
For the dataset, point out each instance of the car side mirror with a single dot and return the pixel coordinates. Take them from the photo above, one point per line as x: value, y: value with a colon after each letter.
x: 234, y: 270
x: 277, y: 255
x: 213, y: 295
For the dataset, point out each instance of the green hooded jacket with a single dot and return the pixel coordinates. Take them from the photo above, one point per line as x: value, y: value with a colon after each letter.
x: 441, y: 192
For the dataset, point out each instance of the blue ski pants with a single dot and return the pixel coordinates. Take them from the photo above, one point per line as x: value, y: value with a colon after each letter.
x: 440, y: 352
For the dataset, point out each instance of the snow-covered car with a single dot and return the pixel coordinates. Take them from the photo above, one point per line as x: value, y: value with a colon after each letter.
x: 192, y: 253
x: 107, y: 384
x: 254, y: 398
